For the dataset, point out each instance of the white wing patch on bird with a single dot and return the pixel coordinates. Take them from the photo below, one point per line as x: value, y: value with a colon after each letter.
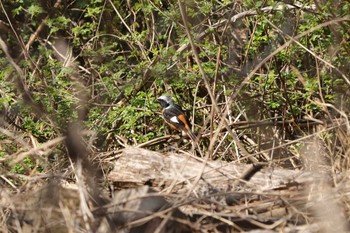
x: 174, y: 119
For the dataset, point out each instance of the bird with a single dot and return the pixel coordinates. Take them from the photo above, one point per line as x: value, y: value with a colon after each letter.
x: 175, y: 117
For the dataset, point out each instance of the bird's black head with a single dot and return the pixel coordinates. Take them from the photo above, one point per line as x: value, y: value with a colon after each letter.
x: 165, y: 101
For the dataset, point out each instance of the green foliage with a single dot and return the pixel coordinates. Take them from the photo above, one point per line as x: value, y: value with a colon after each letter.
x: 58, y: 23
x: 21, y: 168
x: 35, y: 10
x: 118, y: 67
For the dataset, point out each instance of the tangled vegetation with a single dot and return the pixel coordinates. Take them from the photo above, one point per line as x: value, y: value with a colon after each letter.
x: 256, y: 78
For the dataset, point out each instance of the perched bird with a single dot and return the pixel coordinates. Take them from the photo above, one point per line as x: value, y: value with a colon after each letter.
x: 175, y: 116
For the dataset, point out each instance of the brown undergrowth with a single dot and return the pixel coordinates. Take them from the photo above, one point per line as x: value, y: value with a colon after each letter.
x: 83, y: 147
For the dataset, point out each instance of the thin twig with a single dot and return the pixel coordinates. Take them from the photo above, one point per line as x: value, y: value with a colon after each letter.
x: 206, y: 83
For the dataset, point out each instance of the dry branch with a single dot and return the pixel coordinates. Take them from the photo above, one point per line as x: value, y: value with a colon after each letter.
x: 273, y: 198
x: 229, y: 197
x: 138, y: 166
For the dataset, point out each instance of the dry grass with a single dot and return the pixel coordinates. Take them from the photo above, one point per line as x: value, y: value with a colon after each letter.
x: 81, y: 199
x: 298, y: 184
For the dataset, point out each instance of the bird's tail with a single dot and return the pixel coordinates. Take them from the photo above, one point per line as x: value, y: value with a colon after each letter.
x: 192, y: 136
